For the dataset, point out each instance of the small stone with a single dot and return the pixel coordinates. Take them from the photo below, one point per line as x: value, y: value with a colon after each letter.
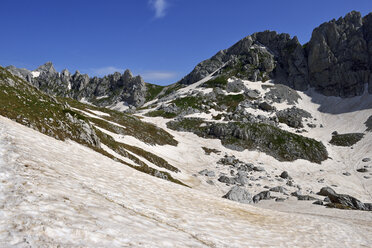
x: 362, y: 170
x: 279, y: 199
x: 346, y: 174
x: 258, y: 168
x: 210, y: 182
x: 284, y: 175
x: 318, y: 202
x: 366, y: 160
x: 203, y: 172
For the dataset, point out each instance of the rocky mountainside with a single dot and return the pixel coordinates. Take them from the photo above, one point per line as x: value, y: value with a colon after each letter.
x: 337, y: 61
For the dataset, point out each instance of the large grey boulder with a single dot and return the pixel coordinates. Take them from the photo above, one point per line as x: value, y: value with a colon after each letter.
x: 238, y: 194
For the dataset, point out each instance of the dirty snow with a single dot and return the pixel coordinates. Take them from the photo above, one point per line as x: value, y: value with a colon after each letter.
x: 70, y: 196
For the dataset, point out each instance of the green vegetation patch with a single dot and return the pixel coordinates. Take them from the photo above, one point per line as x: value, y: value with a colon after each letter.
x: 194, y: 102
x: 280, y: 144
x: 220, y: 81
x: 161, y: 113
x: 153, y: 91
x: 230, y: 101
x: 347, y: 139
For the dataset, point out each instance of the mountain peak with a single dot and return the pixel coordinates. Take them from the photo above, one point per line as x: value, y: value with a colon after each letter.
x: 47, y: 68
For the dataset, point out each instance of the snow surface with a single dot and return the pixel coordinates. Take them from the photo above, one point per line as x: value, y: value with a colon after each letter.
x: 101, y: 97
x: 96, y: 112
x: 71, y: 196
x: 35, y: 74
x: 120, y: 106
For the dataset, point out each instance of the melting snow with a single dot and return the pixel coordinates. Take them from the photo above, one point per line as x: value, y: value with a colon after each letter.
x: 70, y: 196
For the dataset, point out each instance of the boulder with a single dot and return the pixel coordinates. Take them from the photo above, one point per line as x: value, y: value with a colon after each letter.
x: 366, y: 160
x: 265, y: 106
x: 238, y: 194
x: 264, y: 195
x: 227, y: 180
x: 326, y: 191
x: 362, y: 170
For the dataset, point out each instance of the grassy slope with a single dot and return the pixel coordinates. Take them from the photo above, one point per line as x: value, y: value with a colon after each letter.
x: 25, y: 104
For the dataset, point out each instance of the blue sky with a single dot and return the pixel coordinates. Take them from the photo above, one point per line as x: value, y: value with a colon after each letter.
x: 160, y: 39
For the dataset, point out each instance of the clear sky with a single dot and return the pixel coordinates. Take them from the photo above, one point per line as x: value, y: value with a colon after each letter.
x: 160, y: 39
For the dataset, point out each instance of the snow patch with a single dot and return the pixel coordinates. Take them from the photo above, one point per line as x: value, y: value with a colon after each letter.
x: 101, y: 97
x: 120, y: 106
x: 35, y: 74
x: 96, y: 112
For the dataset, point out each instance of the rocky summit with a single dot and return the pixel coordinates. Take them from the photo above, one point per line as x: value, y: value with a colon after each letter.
x: 337, y: 61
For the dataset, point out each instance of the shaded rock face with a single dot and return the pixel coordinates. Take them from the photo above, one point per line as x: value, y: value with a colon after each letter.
x: 259, y: 57
x: 337, y: 61
x: 339, y: 55
x: 109, y: 90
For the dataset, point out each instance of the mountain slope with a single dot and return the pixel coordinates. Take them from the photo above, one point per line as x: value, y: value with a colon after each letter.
x: 24, y: 103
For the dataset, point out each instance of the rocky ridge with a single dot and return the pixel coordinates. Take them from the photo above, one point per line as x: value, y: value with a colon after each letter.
x: 106, y: 91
